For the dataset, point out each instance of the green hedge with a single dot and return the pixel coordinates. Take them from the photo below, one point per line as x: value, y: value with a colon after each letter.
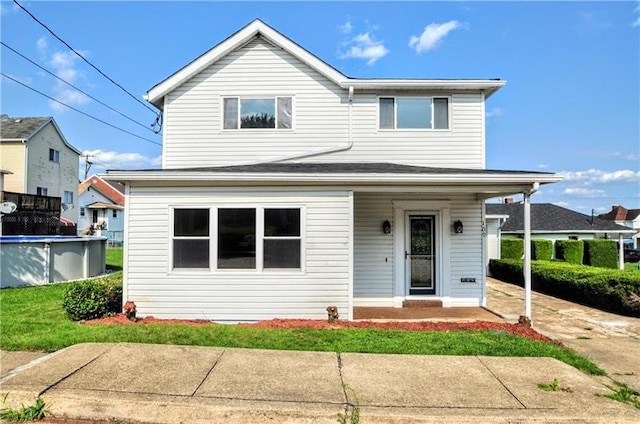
x: 601, y: 253
x: 570, y: 251
x: 611, y: 290
x: 511, y: 248
x: 89, y: 299
x: 541, y: 249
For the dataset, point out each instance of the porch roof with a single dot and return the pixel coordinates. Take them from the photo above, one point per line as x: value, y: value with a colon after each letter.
x: 356, y: 176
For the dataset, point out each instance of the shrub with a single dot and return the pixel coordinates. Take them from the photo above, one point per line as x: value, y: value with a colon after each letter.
x: 601, y: 253
x: 541, y: 249
x: 511, y: 248
x: 608, y: 289
x: 570, y: 251
x: 91, y: 299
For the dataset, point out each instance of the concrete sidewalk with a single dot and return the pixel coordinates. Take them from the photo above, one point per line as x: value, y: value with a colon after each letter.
x: 190, y: 384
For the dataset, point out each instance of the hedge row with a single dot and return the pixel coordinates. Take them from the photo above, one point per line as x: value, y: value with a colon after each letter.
x: 607, y: 289
x: 597, y: 252
x: 601, y: 253
x: 570, y: 251
x: 91, y: 299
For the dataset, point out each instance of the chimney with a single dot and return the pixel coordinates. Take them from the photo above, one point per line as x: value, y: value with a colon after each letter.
x: 508, y: 200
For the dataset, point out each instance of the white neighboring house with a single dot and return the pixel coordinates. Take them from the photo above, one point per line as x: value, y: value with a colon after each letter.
x: 41, y: 161
x: 630, y: 218
x: 101, y: 208
x: 288, y: 187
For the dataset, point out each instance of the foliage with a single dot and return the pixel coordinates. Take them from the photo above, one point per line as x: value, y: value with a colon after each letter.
x: 32, y: 319
x: 25, y: 413
x: 114, y: 258
x: 94, y: 298
x: 511, y: 248
x: 541, y: 249
x: 570, y: 251
x: 352, y: 410
x: 608, y: 289
x: 601, y: 253
x: 258, y: 120
x: 623, y: 393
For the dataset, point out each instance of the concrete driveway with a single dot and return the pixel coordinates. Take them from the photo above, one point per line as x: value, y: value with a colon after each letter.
x: 611, y: 341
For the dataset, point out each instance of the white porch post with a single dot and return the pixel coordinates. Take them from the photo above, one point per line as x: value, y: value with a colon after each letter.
x: 620, y: 251
x: 527, y: 255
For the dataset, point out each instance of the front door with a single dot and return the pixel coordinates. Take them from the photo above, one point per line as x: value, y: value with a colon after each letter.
x: 420, y: 254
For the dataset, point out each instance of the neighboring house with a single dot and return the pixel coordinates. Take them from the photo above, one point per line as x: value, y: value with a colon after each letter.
x: 40, y: 160
x: 548, y: 221
x: 101, y: 208
x: 628, y: 217
x: 287, y: 187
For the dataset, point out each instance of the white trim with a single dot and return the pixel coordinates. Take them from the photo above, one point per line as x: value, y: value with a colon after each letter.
x: 239, y: 113
x: 432, y: 109
x: 125, y: 252
x: 484, y: 130
x: 351, y: 254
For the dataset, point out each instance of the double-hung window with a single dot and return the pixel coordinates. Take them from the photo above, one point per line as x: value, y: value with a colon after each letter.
x: 421, y: 113
x: 68, y: 197
x: 191, y: 238
x: 263, y: 112
x: 54, y: 155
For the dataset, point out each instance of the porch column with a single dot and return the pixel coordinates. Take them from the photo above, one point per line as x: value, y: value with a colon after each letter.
x: 620, y: 251
x: 527, y: 256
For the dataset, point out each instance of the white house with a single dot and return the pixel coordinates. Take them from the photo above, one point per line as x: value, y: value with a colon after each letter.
x: 101, y: 208
x: 40, y: 161
x: 288, y: 187
x: 628, y: 217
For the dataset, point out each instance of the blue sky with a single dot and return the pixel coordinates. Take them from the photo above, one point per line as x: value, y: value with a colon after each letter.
x: 571, y: 105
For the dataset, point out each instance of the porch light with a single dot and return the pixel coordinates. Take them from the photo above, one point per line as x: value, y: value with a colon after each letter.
x: 386, y: 227
x: 458, y: 227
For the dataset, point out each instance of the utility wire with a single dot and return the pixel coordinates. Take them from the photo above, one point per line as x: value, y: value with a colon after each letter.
x: 76, y: 88
x: 78, y: 110
x: 158, y: 119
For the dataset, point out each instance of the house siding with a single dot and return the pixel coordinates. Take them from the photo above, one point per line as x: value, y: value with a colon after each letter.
x: 236, y: 295
x: 193, y: 119
x: 374, y: 267
x: 13, y: 158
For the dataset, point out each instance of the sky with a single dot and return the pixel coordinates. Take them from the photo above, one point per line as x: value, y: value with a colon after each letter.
x: 571, y: 104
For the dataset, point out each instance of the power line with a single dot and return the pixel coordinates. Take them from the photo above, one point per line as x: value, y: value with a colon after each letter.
x: 158, y: 116
x: 78, y: 110
x: 76, y: 88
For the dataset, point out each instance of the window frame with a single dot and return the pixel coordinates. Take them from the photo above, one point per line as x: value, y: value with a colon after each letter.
x: 42, y: 191
x: 260, y: 237
x: 257, y: 97
x: 395, y: 113
x: 70, y: 193
x: 54, y: 155
x: 114, y: 213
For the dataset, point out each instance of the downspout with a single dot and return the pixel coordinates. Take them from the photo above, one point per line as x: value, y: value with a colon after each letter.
x: 527, y: 253
x: 344, y: 147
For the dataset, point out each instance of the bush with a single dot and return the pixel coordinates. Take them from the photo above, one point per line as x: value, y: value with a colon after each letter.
x: 601, y: 253
x: 91, y: 299
x: 570, y: 251
x: 611, y: 290
x: 541, y: 249
x: 511, y: 248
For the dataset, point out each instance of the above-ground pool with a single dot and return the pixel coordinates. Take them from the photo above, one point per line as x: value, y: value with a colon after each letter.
x: 34, y: 260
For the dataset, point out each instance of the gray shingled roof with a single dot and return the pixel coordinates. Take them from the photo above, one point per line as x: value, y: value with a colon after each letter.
x: 546, y: 217
x: 20, y: 128
x: 350, y: 167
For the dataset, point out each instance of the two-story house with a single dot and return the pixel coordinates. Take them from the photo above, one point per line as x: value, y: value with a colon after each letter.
x: 39, y: 161
x: 287, y: 187
x: 628, y: 217
x: 101, y: 208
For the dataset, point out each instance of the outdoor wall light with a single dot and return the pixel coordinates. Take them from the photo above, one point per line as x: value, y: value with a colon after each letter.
x: 386, y: 227
x: 458, y: 227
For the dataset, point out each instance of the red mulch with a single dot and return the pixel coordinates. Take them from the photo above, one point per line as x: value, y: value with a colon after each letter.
x: 518, y: 329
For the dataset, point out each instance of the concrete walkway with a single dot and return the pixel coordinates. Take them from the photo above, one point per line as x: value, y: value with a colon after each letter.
x: 172, y: 384
x: 611, y: 341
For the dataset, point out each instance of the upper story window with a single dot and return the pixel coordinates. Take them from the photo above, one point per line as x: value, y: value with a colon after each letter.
x: 422, y: 113
x: 42, y: 191
x: 68, y: 197
x: 54, y: 155
x: 266, y: 112
x: 82, y: 213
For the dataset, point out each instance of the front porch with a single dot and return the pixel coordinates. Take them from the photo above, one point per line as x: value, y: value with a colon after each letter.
x: 454, y: 313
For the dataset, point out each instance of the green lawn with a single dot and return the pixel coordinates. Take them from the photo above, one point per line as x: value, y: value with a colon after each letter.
x: 33, y: 319
x: 632, y: 266
x: 114, y: 258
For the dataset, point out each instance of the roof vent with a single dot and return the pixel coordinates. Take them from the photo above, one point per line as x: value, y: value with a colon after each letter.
x: 18, y: 121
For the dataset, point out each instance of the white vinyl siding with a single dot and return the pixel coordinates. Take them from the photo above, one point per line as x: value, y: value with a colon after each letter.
x: 193, y: 116
x: 374, y: 251
x: 232, y: 294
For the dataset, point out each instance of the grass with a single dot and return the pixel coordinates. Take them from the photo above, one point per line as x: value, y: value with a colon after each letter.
x: 33, y: 319
x: 114, y: 258
x: 25, y: 413
x: 623, y: 393
x: 635, y: 266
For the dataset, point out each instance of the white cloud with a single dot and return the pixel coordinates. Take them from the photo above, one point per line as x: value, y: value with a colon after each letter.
x: 632, y: 156
x: 584, y: 192
x: 24, y: 80
x: 543, y: 166
x: 365, y: 46
x: 432, y: 36
x: 42, y: 44
x: 636, y: 23
x: 561, y: 204
x: 496, y: 111
x: 599, y: 176
x: 115, y: 160
x: 346, y: 27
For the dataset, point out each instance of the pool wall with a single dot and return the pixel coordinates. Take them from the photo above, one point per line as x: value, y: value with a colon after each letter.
x: 36, y: 260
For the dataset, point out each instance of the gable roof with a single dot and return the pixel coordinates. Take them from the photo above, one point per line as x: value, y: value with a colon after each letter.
x: 257, y: 28
x: 549, y: 218
x: 620, y: 213
x: 111, y: 190
x: 23, y: 128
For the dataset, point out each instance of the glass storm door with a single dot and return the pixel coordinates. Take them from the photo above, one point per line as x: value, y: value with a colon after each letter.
x: 420, y: 255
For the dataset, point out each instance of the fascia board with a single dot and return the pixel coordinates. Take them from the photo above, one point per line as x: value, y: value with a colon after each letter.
x: 489, y: 86
x: 57, y: 128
